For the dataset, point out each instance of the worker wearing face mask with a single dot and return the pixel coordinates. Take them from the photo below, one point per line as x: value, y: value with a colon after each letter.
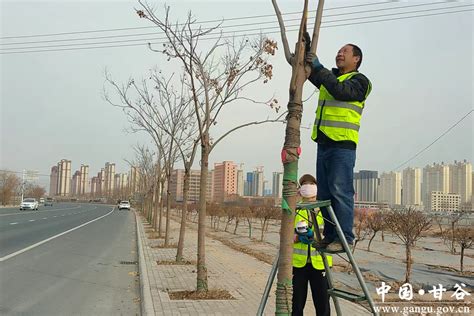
x: 308, y: 266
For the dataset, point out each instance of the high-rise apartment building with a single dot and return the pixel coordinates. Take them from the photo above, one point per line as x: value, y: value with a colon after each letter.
x: 435, y: 178
x: 225, y: 180
x: 365, y: 185
x: 249, y: 184
x: 411, y: 185
x: 109, y: 178
x: 460, y: 180
x: 64, y: 178
x: 133, y: 179
x: 258, y: 183
x: 84, y: 180
x: 101, y: 182
x: 390, y: 188
x: 75, y: 184
x: 53, y: 181
x: 177, y: 185
x: 277, y: 184
x: 117, y: 184
x: 95, y: 186
x: 240, y: 181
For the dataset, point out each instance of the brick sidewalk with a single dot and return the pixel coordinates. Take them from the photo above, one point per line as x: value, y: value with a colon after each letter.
x: 240, y: 274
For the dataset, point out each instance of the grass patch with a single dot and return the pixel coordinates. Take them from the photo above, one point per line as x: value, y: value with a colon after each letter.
x: 201, y: 295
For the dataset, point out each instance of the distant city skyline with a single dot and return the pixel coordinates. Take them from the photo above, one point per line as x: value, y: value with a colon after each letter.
x: 67, y: 116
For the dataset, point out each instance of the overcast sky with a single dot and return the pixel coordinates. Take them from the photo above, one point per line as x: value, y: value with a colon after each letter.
x: 52, y: 107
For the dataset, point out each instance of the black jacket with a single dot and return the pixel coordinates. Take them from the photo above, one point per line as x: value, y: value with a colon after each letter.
x: 354, y: 89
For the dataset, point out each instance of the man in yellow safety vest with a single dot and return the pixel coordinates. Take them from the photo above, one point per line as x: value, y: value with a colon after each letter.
x: 342, y: 95
x: 308, y: 266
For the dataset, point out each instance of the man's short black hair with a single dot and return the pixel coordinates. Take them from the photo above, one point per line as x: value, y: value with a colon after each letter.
x: 356, y: 51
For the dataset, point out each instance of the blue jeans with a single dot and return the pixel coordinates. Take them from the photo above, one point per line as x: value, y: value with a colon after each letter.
x: 335, y: 174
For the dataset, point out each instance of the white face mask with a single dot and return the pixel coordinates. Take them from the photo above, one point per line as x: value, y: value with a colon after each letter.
x: 308, y: 190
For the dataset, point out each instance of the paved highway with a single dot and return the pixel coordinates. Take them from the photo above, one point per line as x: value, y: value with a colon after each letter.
x: 68, y: 259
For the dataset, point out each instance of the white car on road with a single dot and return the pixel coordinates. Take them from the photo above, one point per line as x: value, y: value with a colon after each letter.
x: 29, y: 204
x: 124, y: 205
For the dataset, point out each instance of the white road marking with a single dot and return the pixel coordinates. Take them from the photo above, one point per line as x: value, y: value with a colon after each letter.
x: 45, y: 218
x: 28, y: 212
x: 51, y: 238
x: 32, y: 220
x: 13, y: 223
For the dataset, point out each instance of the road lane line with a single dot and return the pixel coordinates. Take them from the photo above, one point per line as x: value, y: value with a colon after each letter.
x: 32, y: 220
x: 13, y: 223
x: 28, y: 212
x: 51, y: 238
x: 44, y: 218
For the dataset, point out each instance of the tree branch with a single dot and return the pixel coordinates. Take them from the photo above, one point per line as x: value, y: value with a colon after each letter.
x: 277, y: 120
x: 284, y: 39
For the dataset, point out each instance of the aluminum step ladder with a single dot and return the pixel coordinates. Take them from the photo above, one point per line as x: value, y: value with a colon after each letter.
x: 314, y: 208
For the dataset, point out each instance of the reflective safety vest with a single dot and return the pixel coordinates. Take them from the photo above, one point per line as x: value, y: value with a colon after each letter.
x: 338, y: 120
x: 301, y: 250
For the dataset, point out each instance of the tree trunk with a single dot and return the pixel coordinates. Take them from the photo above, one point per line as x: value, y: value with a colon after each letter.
x: 236, y: 225
x: 408, y: 266
x: 290, y: 156
x: 263, y: 230
x: 149, y: 206
x: 227, y: 224
x: 201, y: 253
x: 383, y: 236
x: 249, y: 221
x: 462, y: 257
x: 179, y: 253
x: 453, y: 247
x: 370, y: 241
x: 355, y: 245
x: 167, y: 225
x: 155, y: 207
x: 160, y: 219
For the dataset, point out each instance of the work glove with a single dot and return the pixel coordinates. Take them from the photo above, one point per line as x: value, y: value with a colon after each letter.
x: 307, y: 41
x: 307, y: 238
x: 313, y: 60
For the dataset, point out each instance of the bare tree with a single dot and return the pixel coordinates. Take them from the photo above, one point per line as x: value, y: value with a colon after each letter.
x: 148, y: 170
x: 291, y: 148
x: 361, y: 228
x: 188, y: 154
x: 248, y: 213
x: 376, y: 223
x: 450, y: 234
x: 408, y: 224
x: 231, y: 214
x: 264, y: 213
x: 9, y: 185
x: 35, y: 191
x: 213, y: 83
x: 161, y: 112
x: 464, y: 237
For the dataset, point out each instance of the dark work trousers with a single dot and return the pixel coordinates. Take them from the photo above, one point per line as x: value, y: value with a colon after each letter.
x: 319, y: 290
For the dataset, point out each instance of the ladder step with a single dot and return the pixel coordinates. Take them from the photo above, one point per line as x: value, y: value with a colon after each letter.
x: 313, y: 205
x: 353, y: 297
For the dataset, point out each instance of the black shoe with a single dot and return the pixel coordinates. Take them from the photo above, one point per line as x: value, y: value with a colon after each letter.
x: 336, y: 247
x: 321, y: 244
